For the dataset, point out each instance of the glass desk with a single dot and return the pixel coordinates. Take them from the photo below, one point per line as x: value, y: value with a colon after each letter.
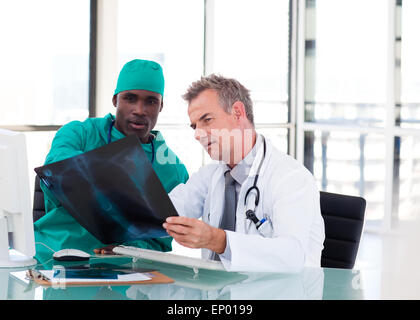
x: 310, y: 283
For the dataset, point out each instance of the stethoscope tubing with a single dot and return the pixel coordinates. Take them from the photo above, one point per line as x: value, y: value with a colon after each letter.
x: 250, y: 213
x: 254, y: 186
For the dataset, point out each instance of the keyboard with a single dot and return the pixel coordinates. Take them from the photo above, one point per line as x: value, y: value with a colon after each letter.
x: 167, y: 257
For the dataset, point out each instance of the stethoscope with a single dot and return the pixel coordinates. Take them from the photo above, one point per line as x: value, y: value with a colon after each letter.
x: 150, y: 139
x: 263, y: 226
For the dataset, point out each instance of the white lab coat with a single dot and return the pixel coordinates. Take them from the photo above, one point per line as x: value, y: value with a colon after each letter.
x: 288, y: 197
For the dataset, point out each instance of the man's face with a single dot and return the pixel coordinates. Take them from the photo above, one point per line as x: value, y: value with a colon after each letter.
x: 137, y: 112
x: 215, y: 129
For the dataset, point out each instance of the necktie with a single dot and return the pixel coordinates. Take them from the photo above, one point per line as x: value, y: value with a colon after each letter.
x: 229, y: 212
x: 228, y: 220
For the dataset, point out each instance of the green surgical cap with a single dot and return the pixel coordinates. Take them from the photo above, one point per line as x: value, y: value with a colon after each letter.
x: 141, y: 75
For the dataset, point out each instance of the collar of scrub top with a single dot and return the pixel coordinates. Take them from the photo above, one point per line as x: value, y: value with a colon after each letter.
x: 151, y: 137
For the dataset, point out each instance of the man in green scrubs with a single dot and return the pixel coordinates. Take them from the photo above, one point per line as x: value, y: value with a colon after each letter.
x: 138, y: 99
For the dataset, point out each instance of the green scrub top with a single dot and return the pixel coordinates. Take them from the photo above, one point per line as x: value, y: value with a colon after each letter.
x: 58, y: 229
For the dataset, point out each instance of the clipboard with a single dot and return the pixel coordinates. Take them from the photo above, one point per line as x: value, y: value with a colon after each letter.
x: 156, y: 278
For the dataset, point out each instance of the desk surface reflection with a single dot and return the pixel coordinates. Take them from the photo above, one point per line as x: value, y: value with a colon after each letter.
x: 309, y: 283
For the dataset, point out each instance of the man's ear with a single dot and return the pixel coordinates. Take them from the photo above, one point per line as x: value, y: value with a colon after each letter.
x: 161, y: 106
x: 238, y: 110
x: 114, y: 100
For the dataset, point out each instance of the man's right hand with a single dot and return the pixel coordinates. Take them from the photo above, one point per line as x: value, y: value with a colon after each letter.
x: 105, y: 250
x: 194, y: 233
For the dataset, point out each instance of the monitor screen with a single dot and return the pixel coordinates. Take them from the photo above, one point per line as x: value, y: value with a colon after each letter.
x: 16, y: 222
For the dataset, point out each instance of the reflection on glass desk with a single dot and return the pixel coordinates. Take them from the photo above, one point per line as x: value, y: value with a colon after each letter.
x: 310, y: 283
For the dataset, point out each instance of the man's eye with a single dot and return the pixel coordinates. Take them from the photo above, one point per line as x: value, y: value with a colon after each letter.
x: 129, y: 98
x: 207, y: 119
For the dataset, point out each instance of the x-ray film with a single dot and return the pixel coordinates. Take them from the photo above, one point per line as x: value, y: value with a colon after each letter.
x: 112, y: 191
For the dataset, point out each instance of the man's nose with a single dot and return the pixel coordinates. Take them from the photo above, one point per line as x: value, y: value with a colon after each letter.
x: 139, y: 107
x: 200, y: 134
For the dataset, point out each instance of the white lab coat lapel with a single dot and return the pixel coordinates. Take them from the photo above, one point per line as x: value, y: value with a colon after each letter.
x: 241, y: 221
x: 213, y: 207
x: 216, y: 197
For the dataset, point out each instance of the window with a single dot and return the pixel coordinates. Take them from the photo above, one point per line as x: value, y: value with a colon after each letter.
x: 406, y: 179
x: 361, y: 109
x: 249, y: 41
x: 406, y: 172
x: 44, y: 65
x: 44, y: 62
x: 345, y: 86
x: 409, y: 116
x: 351, y: 163
x: 346, y: 67
x: 171, y: 33
x: 201, y: 40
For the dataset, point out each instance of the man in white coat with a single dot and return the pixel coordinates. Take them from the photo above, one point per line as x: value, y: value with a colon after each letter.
x: 279, y: 229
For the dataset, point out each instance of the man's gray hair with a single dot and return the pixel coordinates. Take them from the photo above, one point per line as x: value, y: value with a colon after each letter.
x: 229, y: 91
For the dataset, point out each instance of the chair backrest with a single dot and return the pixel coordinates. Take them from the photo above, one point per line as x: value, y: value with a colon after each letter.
x: 343, y: 217
x: 39, y: 205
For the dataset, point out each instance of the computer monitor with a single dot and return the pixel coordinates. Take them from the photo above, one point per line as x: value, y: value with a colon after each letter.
x: 17, y: 245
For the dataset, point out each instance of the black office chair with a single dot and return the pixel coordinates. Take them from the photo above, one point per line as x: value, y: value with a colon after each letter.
x: 343, y: 217
x: 39, y: 205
